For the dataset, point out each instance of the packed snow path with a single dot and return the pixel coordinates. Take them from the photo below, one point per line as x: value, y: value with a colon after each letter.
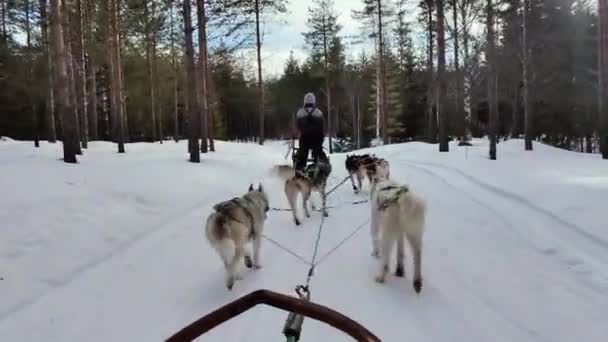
x: 112, y: 249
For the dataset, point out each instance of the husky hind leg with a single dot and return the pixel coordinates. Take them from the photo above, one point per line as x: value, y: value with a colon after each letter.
x: 388, y: 242
x: 225, y: 249
x: 374, y: 230
x: 232, y: 274
x: 305, y: 198
x: 257, y: 241
x: 360, y: 180
x: 352, y: 181
x: 291, y: 192
x: 415, y: 241
x: 400, y: 270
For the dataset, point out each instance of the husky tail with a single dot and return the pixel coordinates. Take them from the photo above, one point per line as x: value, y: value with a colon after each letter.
x: 284, y: 171
x: 218, y: 236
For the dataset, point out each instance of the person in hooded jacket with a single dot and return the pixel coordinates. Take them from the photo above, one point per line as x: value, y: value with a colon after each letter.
x: 310, y: 130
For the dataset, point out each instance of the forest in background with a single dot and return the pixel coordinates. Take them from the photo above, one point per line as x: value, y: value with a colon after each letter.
x: 137, y: 70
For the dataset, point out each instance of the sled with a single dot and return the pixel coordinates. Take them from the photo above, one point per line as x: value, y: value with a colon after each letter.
x: 280, y: 301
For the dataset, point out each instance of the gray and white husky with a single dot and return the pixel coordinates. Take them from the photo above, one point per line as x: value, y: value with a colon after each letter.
x: 397, y: 213
x: 235, y: 223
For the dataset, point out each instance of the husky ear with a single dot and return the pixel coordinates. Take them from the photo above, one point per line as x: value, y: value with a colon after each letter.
x: 260, y: 187
x: 250, y: 187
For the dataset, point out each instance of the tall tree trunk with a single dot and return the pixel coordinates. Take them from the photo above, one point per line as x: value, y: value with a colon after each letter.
x: 327, y: 86
x: 4, y: 31
x: 194, y: 123
x: 467, y: 86
x: 460, y: 112
x: 82, y: 76
x: 202, y: 55
x: 525, y: 53
x: 358, y: 121
x: 49, y: 112
x: 117, y: 77
x: 68, y: 6
x: 175, y: 110
x: 30, y: 75
x: 382, y: 84
x: 491, y: 60
x: 431, y: 130
x: 353, y: 105
x: 112, y: 124
x: 65, y: 106
x: 149, y: 53
x: 260, y: 81
x: 93, y: 114
x: 378, y: 93
x: 123, y: 104
x: 93, y: 121
x: 514, y: 112
x: 210, y: 114
x: 175, y: 76
x: 442, y: 92
x: 603, y: 76
x: 155, y: 77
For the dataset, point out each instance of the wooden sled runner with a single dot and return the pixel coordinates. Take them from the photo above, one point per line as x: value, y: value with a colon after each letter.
x: 277, y: 300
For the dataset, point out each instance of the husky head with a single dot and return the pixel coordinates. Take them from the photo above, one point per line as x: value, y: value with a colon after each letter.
x: 351, y: 162
x: 259, y: 196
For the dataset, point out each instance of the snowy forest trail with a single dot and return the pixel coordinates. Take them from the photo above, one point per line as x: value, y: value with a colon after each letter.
x: 494, y: 268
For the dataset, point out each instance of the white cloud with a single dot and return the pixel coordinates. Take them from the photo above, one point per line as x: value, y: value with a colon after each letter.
x: 281, y: 38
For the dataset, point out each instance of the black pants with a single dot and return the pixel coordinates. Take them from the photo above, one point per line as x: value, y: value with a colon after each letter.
x: 306, y: 146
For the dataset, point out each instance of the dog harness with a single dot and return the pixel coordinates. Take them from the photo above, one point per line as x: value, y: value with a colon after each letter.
x: 389, y: 195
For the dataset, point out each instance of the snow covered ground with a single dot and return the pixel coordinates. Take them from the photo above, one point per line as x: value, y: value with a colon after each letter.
x: 112, y: 249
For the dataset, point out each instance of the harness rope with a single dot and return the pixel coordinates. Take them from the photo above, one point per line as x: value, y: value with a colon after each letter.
x: 293, y: 324
x: 327, y: 207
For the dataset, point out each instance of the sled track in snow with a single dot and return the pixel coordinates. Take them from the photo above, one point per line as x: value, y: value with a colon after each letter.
x: 578, y: 251
x: 593, y: 239
x: 91, y: 264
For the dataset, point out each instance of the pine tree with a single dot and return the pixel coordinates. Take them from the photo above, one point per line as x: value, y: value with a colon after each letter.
x: 441, y: 75
x: 322, y: 38
x: 193, y: 106
x: 603, y: 76
x: 491, y: 76
x: 65, y: 103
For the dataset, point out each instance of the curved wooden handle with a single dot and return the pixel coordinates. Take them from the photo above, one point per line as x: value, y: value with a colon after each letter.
x: 277, y: 300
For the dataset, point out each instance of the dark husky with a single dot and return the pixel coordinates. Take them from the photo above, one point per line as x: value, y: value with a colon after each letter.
x: 365, y: 165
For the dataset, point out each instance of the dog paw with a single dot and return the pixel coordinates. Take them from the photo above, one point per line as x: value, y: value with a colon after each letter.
x: 380, y: 279
x: 326, y: 214
x: 248, y: 262
x: 400, y: 271
x: 417, y: 285
x: 297, y: 222
x: 230, y: 283
x: 375, y: 254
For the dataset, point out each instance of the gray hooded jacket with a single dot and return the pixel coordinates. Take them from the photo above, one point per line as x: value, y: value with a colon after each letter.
x: 309, y: 120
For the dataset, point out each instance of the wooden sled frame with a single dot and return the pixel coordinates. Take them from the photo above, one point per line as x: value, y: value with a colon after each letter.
x: 280, y: 301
